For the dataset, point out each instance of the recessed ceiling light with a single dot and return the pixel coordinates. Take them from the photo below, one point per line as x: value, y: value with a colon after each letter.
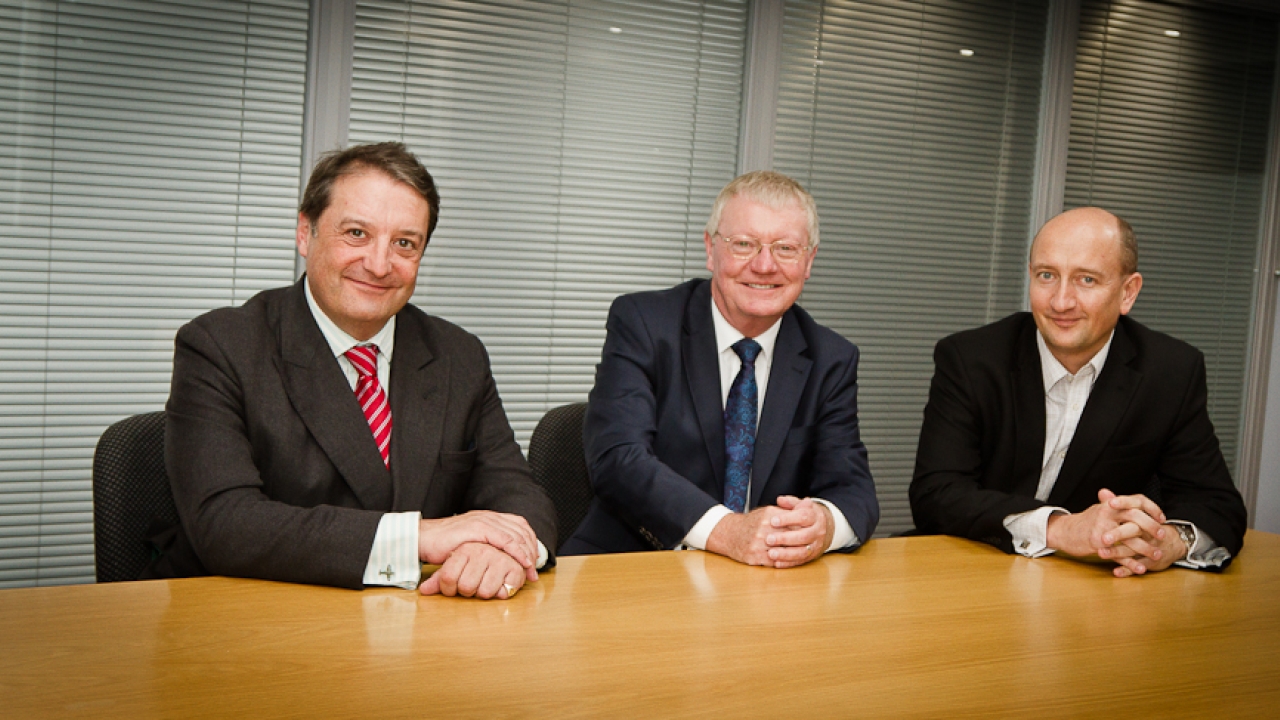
x: 1172, y: 33
x: 615, y: 30
x: 966, y: 52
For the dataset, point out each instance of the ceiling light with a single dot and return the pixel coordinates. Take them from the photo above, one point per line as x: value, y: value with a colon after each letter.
x: 966, y: 52
x: 1172, y: 33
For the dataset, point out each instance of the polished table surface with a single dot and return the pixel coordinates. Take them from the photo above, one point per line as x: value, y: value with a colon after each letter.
x: 905, y: 627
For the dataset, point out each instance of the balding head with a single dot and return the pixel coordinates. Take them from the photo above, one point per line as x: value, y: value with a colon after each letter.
x: 1098, y: 223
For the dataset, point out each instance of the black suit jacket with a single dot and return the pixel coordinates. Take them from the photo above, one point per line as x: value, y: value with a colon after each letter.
x: 654, y: 431
x: 274, y: 470
x: 1145, y: 429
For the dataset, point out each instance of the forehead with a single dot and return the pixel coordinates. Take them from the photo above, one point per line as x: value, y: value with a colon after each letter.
x: 368, y: 188
x: 1079, y: 246
x: 743, y: 215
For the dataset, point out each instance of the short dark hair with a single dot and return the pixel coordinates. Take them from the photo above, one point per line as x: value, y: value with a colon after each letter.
x: 392, y: 159
x: 1128, y: 247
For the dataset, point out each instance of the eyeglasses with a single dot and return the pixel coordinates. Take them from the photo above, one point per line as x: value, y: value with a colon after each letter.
x: 745, y: 247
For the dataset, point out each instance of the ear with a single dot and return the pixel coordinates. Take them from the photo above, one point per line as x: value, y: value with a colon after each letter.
x: 1132, y: 286
x: 303, y: 237
x: 706, y: 240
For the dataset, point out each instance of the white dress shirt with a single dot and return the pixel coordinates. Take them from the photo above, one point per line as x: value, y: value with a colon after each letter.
x: 393, y: 560
x: 730, y: 365
x: 1065, y: 397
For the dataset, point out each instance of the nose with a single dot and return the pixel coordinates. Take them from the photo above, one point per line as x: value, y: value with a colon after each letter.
x: 763, y: 263
x: 1064, y: 297
x: 377, y: 259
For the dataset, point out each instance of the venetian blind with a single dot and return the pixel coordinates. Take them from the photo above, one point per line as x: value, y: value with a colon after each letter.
x: 913, y: 124
x: 149, y: 157
x: 1169, y: 123
x: 578, y: 147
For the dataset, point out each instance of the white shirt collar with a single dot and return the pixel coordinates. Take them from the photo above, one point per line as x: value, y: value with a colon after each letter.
x: 1053, y: 371
x: 339, y: 341
x: 727, y: 335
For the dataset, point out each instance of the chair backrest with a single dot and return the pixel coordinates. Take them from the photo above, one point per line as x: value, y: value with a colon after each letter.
x: 560, y: 465
x: 130, y: 490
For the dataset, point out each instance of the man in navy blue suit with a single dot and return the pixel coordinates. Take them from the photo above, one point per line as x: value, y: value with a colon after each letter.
x: 723, y: 417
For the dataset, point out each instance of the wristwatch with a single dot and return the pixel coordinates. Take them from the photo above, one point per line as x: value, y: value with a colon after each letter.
x: 1188, y: 535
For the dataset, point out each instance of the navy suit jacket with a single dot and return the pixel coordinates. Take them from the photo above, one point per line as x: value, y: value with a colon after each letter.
x: 1145, y: 429
x: 274, y: 470
x: 654, y: 431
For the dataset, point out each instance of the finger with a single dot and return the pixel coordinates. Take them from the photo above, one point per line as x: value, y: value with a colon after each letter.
x: 1115, y: 551
x: 1138, y: 502
x: 472, y: 575
x: 513, y: 579
x: 492, y: 583
x: 804, y: 514
x: 1148, y: 524
x: 1133, y: 565
x: 787, y: 502
x: 1120, y: 571
x: 1142, y: 548
x: 430, y: 586
x: 447, y: 575
x: 795, y: 538
x: 793, y: 555
x: 1128, y: 530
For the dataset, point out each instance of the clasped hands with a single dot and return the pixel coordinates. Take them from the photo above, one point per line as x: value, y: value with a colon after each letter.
x: 1130, y: 530
x: 788, y: 534
x: 481, y: 554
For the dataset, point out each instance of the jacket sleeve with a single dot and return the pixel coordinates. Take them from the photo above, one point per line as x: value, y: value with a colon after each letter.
x: 950, y: 492
x: 621, y: 430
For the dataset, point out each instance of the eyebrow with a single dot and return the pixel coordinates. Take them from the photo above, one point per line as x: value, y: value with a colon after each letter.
x: 420, y: 234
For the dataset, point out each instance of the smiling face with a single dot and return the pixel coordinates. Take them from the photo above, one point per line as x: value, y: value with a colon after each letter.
x: 363, y: 251
x: 1079, y: 288
x: 753, y: 294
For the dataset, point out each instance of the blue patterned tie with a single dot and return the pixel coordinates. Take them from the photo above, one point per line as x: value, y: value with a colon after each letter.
x: 740, y: 427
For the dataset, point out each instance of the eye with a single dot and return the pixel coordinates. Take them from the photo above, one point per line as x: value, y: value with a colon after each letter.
x: 1045, y: 275
x: 1088, y: 281
x: 356, y: 233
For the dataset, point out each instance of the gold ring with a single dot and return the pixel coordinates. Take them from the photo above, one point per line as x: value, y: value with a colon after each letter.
x: 511, y: 590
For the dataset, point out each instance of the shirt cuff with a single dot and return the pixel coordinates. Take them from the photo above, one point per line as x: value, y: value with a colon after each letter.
x: 542, y: 555
x: 1204, y: 552
x: 394, y: 557
x: 844, y: 536
x: 1030, y: 530
x: 701, y: 530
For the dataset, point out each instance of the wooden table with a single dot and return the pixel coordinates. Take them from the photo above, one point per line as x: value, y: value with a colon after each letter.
x: 909, y: 627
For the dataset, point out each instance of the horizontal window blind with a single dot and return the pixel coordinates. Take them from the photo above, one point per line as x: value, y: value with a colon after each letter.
x: 1170, y: 115
x: 913, y: 124
x: 149, y: 159
x: 578, y: 147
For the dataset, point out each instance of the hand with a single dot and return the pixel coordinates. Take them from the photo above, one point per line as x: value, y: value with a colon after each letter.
x: 440, y: 538
x: 1165, y: 551
x: 804, y: 531
x: 1120, y: 528
x: 477, y: 570
x: 772, y: 536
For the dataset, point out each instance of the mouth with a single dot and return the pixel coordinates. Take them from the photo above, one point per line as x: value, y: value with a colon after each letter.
x: 761, y: 286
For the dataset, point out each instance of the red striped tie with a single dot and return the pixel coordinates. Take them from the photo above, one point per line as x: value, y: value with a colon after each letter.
x: 373, y: 401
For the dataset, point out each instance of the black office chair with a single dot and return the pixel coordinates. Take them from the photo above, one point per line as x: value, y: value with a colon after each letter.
x: 130, y: 490
x: 560, y: 465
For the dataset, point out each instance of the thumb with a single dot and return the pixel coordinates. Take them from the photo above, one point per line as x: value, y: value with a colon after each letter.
x: 430, y: 586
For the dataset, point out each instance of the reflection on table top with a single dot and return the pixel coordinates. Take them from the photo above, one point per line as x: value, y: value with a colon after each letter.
x: 924, y: 627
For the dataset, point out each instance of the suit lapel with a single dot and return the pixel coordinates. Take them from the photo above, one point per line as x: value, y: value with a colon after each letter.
x: 1107, y: 403
x: 323, y: 399
x: 1027, y: 380
x: 418, y: 401
x: 702, y: 371
x: 788, y: 374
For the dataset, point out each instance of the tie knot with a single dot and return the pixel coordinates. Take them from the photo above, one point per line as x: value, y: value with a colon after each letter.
x: 747, y: 350
x: 365, y: 359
